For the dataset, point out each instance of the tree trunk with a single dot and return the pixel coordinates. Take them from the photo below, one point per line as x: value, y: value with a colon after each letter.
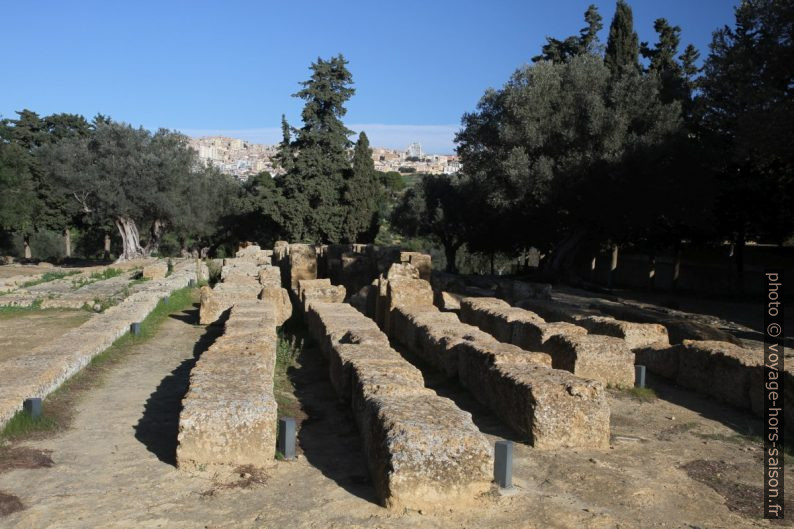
x: 155, y: 234
x: 613, y: 266
x: 677, y: 264
x: 26, y: 244
x: 492, y: 259
x: 107, y: 247
x: 451, y: 251
x: 651, y: 272
x: 593, y: 268
x: 739, y: 256
x: 67, y: 243
x: 563, y: 255
x: 130, y: 241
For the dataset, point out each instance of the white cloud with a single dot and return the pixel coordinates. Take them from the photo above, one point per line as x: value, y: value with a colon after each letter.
x: 434, y: 138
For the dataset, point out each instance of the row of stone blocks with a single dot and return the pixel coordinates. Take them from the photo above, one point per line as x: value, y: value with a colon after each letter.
x: 44, y: 369
x: 229, y: 414
x: 728, y: 373
x: 549, y: 408
x: 601, y: 348
x: 245, y: 277
x: 423, y: 452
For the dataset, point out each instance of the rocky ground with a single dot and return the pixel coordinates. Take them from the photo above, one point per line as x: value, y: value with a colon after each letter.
x: 681, y: 461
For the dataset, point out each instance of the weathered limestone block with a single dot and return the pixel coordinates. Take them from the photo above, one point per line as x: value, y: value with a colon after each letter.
x: 279, y: 297
x: 320, y: 290
x: 635, y: 334
x: 720, y: 369
x: 355, y: 271
x: 270, y: 276
x: 406, y: 292
x: 344, y: 356
x: 495, y: 317
x: 156, y: 270
x: 302, y: 263
x: 532, y: 335
x: 446, y: 301
x: 603, y: 358
x: 229, y: 413
x: 421, y: 261
x: 424, y: 452
x: 658, y: 359
x: 550, y: 408
x: 280, y: 252
x: 215, y: 302
x: 248, y: 251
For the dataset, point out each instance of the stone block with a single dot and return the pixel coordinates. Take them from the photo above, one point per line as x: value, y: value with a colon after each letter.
x: 549, y: 408
x: 635, y: 334
x: 532, y: 335
x: 603, y: 358
x: 156, y: 270
x: 302, y: 263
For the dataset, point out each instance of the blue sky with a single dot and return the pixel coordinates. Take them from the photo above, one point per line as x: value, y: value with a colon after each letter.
x: 229, y: 67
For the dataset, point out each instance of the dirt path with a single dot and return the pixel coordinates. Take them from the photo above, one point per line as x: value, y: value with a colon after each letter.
x: 19, y: 333
x: 114, y: 467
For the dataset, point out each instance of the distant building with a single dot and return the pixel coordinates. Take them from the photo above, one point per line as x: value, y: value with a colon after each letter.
x: 415, y: 150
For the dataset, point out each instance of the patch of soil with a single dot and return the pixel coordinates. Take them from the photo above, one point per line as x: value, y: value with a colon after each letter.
x: 9, y: 504
x: 12, y: 458
x: 741, y: 498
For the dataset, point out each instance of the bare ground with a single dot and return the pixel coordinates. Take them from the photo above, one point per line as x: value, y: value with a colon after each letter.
x: 677, y: 462
x: 21, y: 332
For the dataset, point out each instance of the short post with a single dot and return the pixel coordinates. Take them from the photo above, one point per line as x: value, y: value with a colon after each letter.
x: 503, y: 464
x: 135, y: 328
x: 286, y: 437
x: 165, y: 298
x: 32, y: 407
x: 191, y: 283
x: 639, y: 376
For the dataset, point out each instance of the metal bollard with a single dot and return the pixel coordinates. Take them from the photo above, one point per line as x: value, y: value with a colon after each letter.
x: 165, y: 299
x: 191, y: 283
x: 32, y: 407
x: 503, y: 464
x: 135, y: 329
x: 286, y: 437
x: 639, y: 376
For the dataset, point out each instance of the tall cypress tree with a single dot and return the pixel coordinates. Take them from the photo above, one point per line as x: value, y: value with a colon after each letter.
x: 314, y: 184
x: 557, y: 51
x: 362, y: 195
x: 622, y: 54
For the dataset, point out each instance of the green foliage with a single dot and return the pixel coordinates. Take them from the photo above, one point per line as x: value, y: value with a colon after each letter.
x: 747, y: 115
x: 362, y: 196
x: 107, y: 273
x: 622, y: 53
x: 438, y: 208
x: 47, y: 277
x: 587, y: 42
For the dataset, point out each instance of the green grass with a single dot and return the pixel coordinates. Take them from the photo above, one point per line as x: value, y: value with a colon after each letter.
x: 287, y: 350
x: 46, y: 278
x: 95, y: 277
x: 58, y: 407
x: 16, y: 311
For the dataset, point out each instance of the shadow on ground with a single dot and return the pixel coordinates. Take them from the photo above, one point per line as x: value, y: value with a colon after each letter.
x: 741, y: 422
x: 158, y: 427
x: 328, y: 437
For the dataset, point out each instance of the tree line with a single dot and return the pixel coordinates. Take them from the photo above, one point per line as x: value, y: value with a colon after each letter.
x: 591, y: 146
x: 627, y: 144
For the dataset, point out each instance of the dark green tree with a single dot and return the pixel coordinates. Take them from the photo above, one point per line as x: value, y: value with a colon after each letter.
x: 746, y: 111
x: 556, y: 50
x: 437, y: 208
x: 362, y: 195
x: 315, y: 183
x: 622, y: 52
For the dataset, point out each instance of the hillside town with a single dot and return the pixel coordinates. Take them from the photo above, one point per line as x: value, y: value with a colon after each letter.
x: 243, y: 159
